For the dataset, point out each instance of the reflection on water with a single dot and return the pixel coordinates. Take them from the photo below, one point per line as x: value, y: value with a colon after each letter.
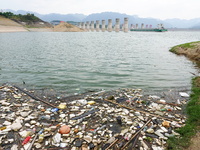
x: 71, y: 61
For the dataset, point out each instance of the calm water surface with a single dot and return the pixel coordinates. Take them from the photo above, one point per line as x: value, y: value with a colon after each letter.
x: 81, y: 61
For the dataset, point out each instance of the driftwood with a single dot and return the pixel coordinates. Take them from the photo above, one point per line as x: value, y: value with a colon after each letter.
x: 165, y: 118
x: 135, y: 141
x: 17, y: 138
x: 135, y: 134
x: 30, y: 146
x: 33, y: 97
x: 113, y: 143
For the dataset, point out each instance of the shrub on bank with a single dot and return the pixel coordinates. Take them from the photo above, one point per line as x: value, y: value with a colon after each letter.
x: 193, y: 120
x: 23, y: 18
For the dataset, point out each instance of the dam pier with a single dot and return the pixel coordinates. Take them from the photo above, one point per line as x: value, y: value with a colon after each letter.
x: 91, y: 26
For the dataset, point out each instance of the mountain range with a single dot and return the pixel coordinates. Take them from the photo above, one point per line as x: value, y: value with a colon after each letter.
x: 133, y: 19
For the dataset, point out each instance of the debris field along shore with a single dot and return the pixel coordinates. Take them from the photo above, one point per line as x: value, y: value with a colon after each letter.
x: 104, y: 120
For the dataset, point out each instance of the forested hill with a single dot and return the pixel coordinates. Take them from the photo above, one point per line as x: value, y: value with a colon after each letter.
x: 28, y: 20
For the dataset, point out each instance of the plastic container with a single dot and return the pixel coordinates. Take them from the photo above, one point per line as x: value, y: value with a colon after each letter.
x: 2, y: 128
x: 26, y: 140
x: 54, y: 110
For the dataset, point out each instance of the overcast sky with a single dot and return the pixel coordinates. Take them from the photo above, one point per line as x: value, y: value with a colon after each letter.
x: 161, y: 9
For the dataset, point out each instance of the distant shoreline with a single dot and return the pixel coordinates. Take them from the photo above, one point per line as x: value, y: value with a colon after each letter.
x: 5, y: 29
x: 182, y: 29
x: 8, y: 25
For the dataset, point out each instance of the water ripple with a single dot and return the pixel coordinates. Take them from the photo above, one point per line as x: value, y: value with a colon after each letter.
x: 71, y: 61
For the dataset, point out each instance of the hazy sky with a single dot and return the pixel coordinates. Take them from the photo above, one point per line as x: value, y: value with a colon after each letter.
x: 161, y: 9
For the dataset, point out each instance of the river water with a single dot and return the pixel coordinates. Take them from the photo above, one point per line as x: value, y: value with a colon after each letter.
x: 77, y: 62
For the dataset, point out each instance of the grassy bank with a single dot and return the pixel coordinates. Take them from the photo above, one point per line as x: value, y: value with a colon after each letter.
x: 192, y: 51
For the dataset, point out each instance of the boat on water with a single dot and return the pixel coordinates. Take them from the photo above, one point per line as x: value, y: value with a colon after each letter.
x: 160, y: 28
x: 150, y: 30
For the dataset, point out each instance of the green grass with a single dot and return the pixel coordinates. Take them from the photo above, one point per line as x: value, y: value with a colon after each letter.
x: 184, y: 46
x: 192, y: 109
x: 193, y: 120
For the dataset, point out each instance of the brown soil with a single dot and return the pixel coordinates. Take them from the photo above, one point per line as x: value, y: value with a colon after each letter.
x: 66, y: 27
x: 8, y: 22
x: 12, y: 29
x: 197, y: 83
x: 7, y: 25
x: 195, y: 145
x: 191, y: 53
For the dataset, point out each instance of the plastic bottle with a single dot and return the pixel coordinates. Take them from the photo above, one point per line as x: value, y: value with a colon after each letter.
x: 41, y: 138
x: 163, y: 109
x: 169, y: 109
x: 26, y: 140
x: 45, y: 117
x: 178, y: 101
x: 54, y: 110
x: 2, y: 128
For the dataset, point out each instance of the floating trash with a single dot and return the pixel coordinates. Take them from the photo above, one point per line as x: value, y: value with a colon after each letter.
x: 119, y: 119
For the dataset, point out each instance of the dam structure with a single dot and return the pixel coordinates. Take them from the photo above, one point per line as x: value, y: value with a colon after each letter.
x: 91, y: 26
x: 97, y: 25
x: 126, y: 25
x: 103, y: 26
x: 117, y: 25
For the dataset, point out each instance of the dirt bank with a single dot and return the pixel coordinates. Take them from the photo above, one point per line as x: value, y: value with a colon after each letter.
x: 12, y: 29
x: 7, y: 25
x: 66, y: 27
x: 190, y: 50
x: 8, y: 22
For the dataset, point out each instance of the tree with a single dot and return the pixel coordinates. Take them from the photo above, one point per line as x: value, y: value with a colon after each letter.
x: 7, y: 14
